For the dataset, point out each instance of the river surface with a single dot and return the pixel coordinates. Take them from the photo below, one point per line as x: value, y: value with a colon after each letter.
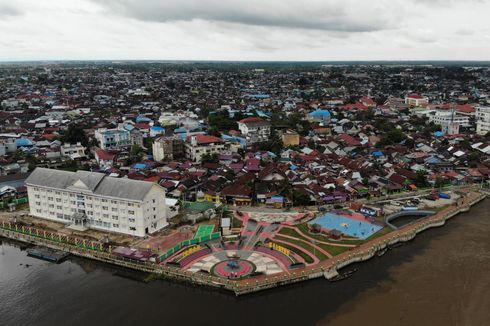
x: 440, y: 278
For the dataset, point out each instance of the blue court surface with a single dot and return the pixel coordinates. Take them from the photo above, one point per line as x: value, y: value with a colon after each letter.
x: 352, y: 227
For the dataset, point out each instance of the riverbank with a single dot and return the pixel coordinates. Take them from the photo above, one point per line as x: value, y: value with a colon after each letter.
x: 327, y: 268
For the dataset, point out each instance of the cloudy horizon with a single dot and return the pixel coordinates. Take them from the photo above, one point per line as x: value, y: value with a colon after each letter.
x: 235, y: 30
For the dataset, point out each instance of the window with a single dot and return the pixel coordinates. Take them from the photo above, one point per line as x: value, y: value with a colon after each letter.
x: 114, y: 209
x: 131, y: 220
x: 115, y: 225
x: 114, y: 217
x: 131, y: 212
x: 132, y: 228
x: 105, y: 208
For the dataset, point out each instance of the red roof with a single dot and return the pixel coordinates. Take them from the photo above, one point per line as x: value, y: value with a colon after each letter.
x: 415, y: 96
x: 154, y: 178
x: 49, y: 136
x: 251, y: 120
x: 367, y: 101
x: 355, y: 106
x: 349, y: 140
x: 206, y: 139
x: 142, y: 125
x: 465, y: 108
x: 104, y: 155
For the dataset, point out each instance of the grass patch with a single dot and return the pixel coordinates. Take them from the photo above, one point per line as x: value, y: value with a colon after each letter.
x: 333, y: 250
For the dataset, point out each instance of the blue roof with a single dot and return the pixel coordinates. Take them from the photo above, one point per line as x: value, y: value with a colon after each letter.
x: 139, y: 166
x: 438, y: 134
x: 23, y: 142
x: 157, y: 128
x: 128, y: 127
x: 142, y: 118
x: 259, y: 95
x: 378, y: 154
x: 320, y: 113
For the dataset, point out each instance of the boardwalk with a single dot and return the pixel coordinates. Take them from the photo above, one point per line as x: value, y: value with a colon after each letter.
x: 243, y: 286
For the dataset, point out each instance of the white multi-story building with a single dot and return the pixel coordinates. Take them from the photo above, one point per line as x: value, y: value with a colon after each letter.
x: 482, y: 120
x: 73, y: 150
x: 255, y: 130
x: 415, y: 100
x: 123, y: 135
x: 199, y: 145
x: 449, y: 121
x: 94, y: 200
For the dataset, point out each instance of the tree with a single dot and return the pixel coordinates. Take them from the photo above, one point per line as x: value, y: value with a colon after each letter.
x: 210, y: 158
x: 300, y: 198
x: 136, y: 154
x: 421, y: 179
x: 75, y: 134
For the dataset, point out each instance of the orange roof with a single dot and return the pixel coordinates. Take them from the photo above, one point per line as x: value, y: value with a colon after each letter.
x: 251, y: 120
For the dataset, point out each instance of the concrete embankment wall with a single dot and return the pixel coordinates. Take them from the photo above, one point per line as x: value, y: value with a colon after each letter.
x: 365, y: 252
x: 327, y: 269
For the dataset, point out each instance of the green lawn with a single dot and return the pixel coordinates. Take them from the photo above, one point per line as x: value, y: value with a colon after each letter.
x: 333, y: 250
x: 204, y: 230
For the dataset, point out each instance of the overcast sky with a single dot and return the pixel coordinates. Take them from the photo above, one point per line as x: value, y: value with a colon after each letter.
x: 245, y: 30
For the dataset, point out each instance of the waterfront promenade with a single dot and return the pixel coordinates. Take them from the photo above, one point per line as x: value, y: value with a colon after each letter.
x: 326, y: 268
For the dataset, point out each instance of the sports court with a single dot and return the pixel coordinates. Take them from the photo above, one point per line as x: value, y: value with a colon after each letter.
x: 346, y: 225
x: 204, y: 230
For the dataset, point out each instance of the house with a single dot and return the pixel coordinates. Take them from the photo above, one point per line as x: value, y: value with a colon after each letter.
x: 73, y: 151
x: 199, y: 145
x: 93, y: 200
x: 320, y: 116
x: 290, y: 138
x: 104, y: 158
x: 255, y: 130
x: 416, y: 100
x: 168, y: 148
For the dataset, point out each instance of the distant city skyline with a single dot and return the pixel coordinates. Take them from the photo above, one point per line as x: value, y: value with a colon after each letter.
x: 282, y: 30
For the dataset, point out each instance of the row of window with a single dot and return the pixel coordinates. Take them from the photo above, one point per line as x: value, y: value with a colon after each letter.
x: 79, y: 197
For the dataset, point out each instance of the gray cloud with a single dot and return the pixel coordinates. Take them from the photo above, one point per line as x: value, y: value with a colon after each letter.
x: 7, y: 10
x: 329, y: 15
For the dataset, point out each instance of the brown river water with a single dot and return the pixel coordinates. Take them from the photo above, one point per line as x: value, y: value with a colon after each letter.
x: 440, y: 278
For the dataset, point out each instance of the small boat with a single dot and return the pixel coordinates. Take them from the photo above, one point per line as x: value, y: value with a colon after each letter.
x: 52, y: 255
x: 343, y: 276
